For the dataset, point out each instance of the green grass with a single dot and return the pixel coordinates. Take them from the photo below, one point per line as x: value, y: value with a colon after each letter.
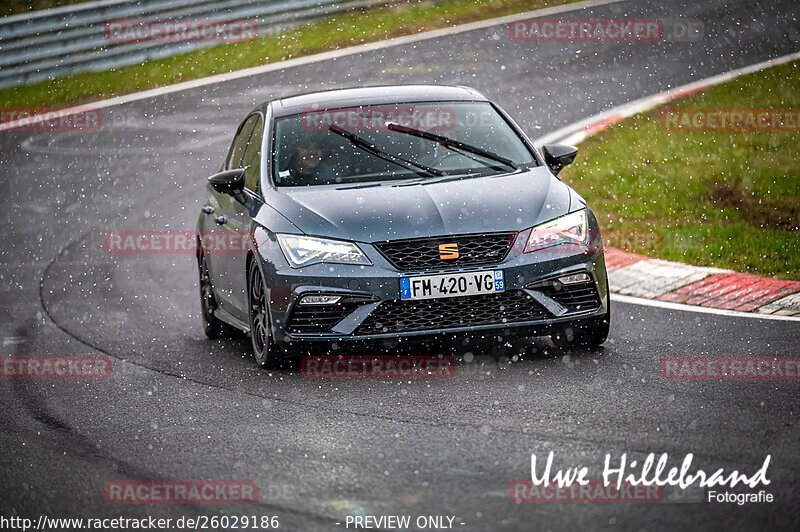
x: 727, y: 199
x: 328, y: 34
x: 13, y: 7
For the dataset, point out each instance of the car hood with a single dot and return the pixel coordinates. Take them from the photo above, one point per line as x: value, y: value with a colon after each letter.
x: 371, y: 213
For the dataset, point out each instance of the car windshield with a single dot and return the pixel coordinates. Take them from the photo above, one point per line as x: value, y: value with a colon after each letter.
x: 386, y: 143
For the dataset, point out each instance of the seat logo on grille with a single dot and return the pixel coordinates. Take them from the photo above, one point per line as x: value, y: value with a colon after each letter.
x: 448, y: 251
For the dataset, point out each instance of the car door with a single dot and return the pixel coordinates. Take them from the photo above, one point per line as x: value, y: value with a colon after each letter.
x: 241, y: 218
x: 226, y: 220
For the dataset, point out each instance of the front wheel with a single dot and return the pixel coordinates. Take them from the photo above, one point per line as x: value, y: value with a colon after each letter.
x: 264, y: 351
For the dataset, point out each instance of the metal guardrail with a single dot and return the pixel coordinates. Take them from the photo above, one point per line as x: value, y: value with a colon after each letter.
x: 63, y: 41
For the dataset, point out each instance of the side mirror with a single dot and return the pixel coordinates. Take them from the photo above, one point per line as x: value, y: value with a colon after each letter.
x: 229, y: 182
x: 557, y: 156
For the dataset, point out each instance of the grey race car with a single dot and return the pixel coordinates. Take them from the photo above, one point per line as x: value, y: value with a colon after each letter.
x: 397, y: 212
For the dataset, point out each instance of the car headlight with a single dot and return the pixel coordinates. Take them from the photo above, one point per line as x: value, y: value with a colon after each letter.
x: 305, y: 250
x: 569, y: 229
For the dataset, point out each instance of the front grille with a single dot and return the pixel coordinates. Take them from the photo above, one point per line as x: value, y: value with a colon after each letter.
x: 576, y: 297
x: 322, y: 318
x: 423, y: 253
x: 396, y: 316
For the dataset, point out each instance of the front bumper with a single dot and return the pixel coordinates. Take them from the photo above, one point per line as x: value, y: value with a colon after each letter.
x: 371, y: 309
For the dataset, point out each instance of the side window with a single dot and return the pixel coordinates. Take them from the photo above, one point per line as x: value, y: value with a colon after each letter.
x: 252, y: 158
x: 240, y: 143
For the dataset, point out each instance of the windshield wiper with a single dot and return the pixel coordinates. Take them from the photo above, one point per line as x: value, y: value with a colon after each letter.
x: 365, y: 145
x: 453, y: 143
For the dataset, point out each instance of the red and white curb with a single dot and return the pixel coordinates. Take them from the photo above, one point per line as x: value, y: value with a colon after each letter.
x: 639, y: 276
x: 674, y: 284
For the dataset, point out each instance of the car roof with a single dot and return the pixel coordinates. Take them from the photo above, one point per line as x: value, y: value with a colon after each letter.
x: 387, y: 94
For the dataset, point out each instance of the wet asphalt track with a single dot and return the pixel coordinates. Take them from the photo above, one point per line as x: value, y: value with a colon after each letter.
x: 181, y: 407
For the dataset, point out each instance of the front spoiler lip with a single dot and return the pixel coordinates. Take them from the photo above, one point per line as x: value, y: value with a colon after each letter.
x: 535, y: 324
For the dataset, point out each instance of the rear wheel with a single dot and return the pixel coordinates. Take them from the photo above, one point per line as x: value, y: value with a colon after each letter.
x: 212, y: 326
x: 264, y: 351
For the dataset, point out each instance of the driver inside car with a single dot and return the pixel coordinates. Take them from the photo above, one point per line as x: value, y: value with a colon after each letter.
x: 307, y: 165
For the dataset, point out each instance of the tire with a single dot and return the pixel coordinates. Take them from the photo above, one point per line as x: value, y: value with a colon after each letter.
x: 212, y: 326
x: 587, y: 333
x: 264, y: 349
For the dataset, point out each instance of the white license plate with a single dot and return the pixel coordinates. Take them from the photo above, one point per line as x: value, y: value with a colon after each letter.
x: 452, y: 285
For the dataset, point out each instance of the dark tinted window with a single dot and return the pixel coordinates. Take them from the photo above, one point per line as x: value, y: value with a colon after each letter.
x: 240, y: 143
x: 252, y: 157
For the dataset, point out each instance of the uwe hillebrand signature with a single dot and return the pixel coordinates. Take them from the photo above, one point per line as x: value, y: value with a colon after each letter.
x: 650, y: 472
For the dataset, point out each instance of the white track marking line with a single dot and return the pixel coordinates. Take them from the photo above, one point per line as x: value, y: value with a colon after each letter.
x: 702, y: 310
x: 13, y: 340
x: 578, y: 131
x: 324, y: 56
